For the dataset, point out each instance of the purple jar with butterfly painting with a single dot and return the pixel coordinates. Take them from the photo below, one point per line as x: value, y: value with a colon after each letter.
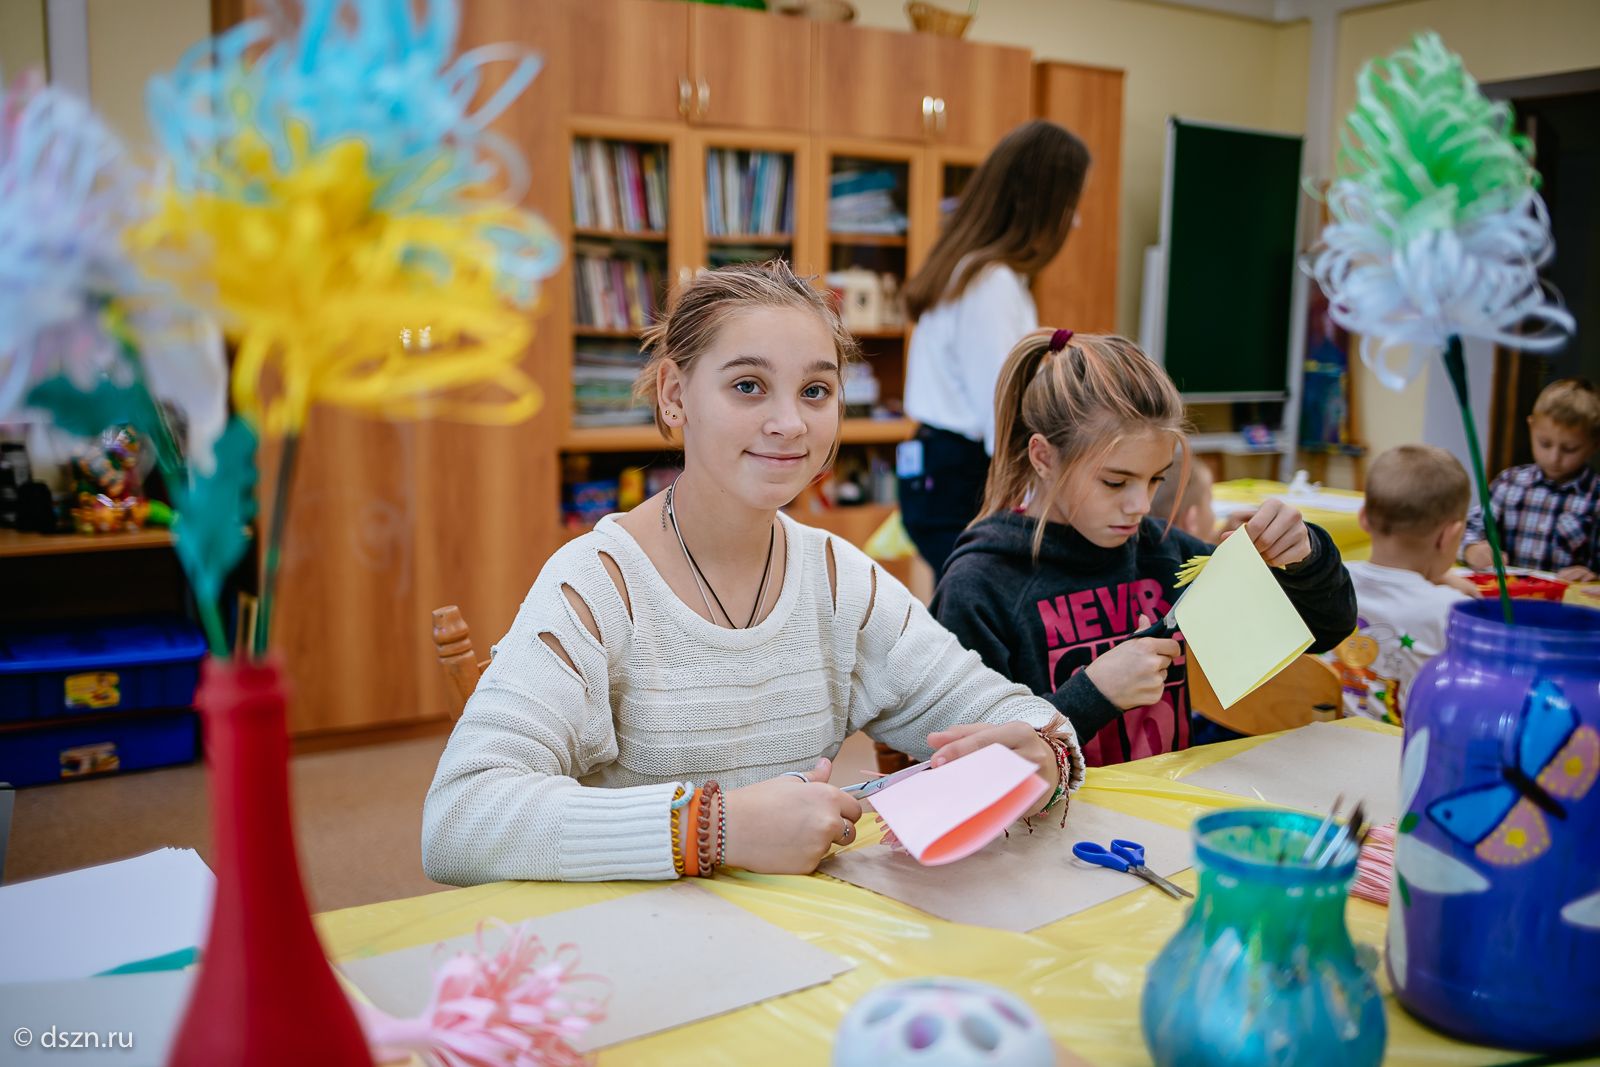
x: 1494, y: 917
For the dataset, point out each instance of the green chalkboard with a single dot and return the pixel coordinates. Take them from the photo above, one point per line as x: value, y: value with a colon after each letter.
x: 1230, y: 259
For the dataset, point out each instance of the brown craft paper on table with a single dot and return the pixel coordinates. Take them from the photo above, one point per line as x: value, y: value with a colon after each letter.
x: 643, y: 945
x: 1308, y: 768
x: 1024, y: 880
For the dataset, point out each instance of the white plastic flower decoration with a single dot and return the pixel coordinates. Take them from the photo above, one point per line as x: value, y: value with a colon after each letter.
x: 1437, y: 228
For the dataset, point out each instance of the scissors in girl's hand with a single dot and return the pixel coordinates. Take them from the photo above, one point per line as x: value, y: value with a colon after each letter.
x: 1127, y: 856
x: 873, y: 785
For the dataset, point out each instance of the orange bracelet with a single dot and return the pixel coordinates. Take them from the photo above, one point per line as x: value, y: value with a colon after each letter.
x: 677, y: 835
x: 691, y: 856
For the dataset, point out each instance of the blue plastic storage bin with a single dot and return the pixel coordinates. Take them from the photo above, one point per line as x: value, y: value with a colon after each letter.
x: 64, y: 749
x: 124, y: 665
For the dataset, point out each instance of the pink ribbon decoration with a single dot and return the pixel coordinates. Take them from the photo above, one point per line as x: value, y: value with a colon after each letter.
x: 513, y: 1007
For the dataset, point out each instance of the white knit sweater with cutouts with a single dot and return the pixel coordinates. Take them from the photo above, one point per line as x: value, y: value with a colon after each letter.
x: 556, y: 774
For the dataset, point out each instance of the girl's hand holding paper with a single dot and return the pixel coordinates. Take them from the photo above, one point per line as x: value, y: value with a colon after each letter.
x: 1019, y: 737
x: 953, y: 810
x: 1279, y: 533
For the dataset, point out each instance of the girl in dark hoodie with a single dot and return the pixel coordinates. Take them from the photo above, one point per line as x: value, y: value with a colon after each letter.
x: 1065, y: 563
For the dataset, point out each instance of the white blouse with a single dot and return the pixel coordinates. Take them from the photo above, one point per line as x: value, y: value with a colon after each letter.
x: 959, y: 348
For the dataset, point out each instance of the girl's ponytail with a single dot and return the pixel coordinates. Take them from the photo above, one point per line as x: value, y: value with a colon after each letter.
x: 1010, y: 472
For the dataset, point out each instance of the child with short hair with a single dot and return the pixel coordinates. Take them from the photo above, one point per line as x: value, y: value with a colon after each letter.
x: 666, y: 699
x: 1415, y: 510
x: 1548, y: 510
x: 1065, y: 563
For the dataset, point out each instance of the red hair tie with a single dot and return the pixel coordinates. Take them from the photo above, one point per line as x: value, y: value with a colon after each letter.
x: 1059, y: 339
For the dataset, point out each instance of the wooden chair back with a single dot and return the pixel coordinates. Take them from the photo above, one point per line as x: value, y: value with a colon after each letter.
x: 1303, y: 692
x: 452, y: 641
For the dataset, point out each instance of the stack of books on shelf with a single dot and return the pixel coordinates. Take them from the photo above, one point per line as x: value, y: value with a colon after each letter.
x: 619, y: 186
x: 862, y: 201
x: 602, y: 385
x: 749, y: 193
x: 613, y: 291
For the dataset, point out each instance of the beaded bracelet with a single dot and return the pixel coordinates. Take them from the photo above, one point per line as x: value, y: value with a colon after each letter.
x: 722, y: 827
x: 691, y: 856
x: 705, y: 846
x: 679, y: 799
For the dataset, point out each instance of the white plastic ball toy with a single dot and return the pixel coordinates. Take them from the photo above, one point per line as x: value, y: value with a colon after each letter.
x: 951, y: 1022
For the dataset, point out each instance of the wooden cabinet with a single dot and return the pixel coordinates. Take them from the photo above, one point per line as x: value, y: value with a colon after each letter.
x: 873, y: 84
x: 1079, y: 289
x: 653, y: 61
x: 981, y: 92
x: 749, y: 71
x: 629, y: 57
x: 918, y: 87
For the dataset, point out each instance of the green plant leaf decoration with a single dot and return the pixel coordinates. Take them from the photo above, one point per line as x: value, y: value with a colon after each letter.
x: 214, y: 514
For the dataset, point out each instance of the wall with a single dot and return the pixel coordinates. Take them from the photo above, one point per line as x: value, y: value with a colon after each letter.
x: 1499, y: 41
x: 1178, y: 62
x: 22, y: 42
x: 129, y: 40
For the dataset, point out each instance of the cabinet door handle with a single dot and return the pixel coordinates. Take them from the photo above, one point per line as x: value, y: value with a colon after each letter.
x: 927, y: 114
x: 705, y: 99
x: 685, y: 94
x: 938, y: 114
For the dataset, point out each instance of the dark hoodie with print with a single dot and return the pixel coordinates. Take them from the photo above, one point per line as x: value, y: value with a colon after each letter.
x: 1041, y: 623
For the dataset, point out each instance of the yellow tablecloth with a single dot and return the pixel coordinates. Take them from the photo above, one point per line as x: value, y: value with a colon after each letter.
x: 1342, y: 526
x: 1585, y: 594
x: 1083, y: 974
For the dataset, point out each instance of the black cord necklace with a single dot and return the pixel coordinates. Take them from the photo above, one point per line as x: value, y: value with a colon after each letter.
x: 703, y: 583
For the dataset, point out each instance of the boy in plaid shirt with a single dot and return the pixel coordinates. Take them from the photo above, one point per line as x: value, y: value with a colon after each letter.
x: 1548, y: 510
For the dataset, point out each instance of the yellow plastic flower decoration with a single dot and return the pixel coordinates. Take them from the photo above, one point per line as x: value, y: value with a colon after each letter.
x: 316, y: 285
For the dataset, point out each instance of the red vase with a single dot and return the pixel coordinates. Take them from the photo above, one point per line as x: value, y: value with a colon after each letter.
x: 265, y: 993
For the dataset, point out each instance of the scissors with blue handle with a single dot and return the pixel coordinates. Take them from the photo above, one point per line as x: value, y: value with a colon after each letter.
x: 1127, y: 856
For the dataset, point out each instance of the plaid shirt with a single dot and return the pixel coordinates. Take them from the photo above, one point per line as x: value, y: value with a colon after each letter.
x: 1543, y: 526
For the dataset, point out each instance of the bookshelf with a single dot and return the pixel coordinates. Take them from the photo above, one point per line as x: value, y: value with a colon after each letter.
x: 625, y: 247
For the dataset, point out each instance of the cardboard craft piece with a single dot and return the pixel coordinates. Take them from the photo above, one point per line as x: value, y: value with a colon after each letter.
x: 642, y: 945
x: 1308, y: 768
x: 1024, y: 880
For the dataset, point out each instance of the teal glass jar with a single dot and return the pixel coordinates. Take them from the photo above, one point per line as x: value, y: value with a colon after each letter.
x: 1263, y: 971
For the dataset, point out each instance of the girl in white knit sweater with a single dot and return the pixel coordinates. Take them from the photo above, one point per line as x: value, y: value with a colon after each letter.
x: 666, y: 698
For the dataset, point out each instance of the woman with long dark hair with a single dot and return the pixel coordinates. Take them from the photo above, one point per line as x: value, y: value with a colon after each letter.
x: 971, y: 304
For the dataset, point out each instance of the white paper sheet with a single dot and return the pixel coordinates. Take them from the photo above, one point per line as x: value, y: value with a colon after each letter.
x: 646, y: 945
x: 1309, y: 767
x: 1023, y: 880
x: 81, y: 923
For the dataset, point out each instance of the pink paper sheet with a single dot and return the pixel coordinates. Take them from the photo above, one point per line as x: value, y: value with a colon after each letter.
x: 950, y: 812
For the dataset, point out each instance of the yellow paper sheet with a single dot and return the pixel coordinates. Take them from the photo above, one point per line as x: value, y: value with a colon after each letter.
x: 1238, y: 623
